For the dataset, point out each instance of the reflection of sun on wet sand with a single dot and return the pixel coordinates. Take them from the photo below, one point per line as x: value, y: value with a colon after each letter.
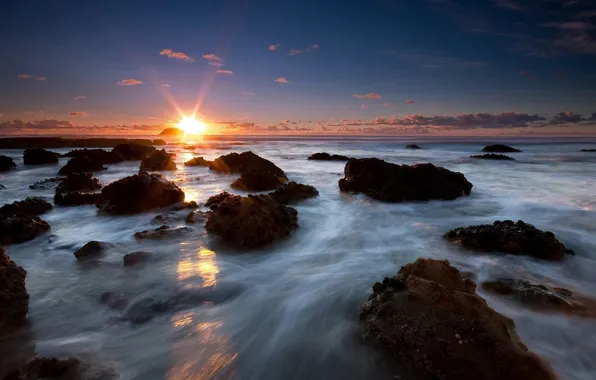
x: 204, y: 265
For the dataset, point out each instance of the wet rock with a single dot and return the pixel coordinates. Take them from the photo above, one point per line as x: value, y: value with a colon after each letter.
x: 39, y: 156
x: 14, y: 299
x: 196, y: 217
x: 78, y: 182
x: 76, y: 198
x: 588, y: 150
x: 412, y: 146
x: 81, y: 165
x: 45, y: 184
x: 163, y: 232
x: 32, y: 206
x: 92, y: 250
x: 42, y: 368
x: 113, y: 300
x: 293, y: 192
x: 101, y: 156
x: 515, y: 238
x: 158, y: 160
x: 257, y: 181
x: 430, y: 318
x: 252, y: 221
x: 213, y: 201
x: 190, y: 205
x: 6, y: 163
x: 133, y: 152
x: 138, y: 193
x: 500, y: 148
x: 135, y: 258
x: 401, y: 183
x: 246, y: 162
x: 323, y: 156
x: 17, y: 229
x: 492, y: 156
x: 2, y: 187
x: 197, y: 161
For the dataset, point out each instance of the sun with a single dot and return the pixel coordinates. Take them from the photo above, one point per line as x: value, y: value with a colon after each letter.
x: 191, y: 126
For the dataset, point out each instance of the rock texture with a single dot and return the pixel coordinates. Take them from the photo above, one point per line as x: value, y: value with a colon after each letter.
x: 81, y: 165
x: 78, y: 182
x: 6, y: 163
x: 158, y: 160
x: 491, y: 156
x: 138, y: 193
x: 516, y: 238
x: 163, y: 232
x: 588, y: 150
x: 39, y: 156
x: 133, y: 152
x: 401, y: 183
x: 197, y: 161
x: 500, y: 148
x: 45, y: 184
x: 42, y: 368
x: 323, y: 156
x: 258, y: 181
x: 412, y: 146
x: 214, y: 201
x: 293, y: 192
x: 75, y: 198
x: 429, y: 317
x: 101, y: 156
x: 32, y: 206
x: 17, y: 229
x: 252, y: 221
x: 135, y: 258
x: 14, y: 299
x: 245, y: 162
x: 92, y: 250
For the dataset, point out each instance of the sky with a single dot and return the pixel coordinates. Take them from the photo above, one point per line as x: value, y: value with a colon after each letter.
x: 313, y: 66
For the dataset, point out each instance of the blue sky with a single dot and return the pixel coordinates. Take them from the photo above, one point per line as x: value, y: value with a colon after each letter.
x: 431, y: 57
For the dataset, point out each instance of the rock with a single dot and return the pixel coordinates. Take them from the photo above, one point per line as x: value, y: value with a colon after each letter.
x: 198, y: 161
x: 92, y: 250
x: 430, y: 318
x: 58, y: 142
x: 412, y: 146
x: 6, y: 163
x: 323, y: 156
x: 75, y: 198
x: 588, y: 150
x: 81, y: 165
x: 252, y: 221
x: 135, y: 258
x: 14, y: 299
x: 78, y: 182
x: 246, y: 162
x: 190, y: 205
x: 133, y: 152
x: 500, y: 148
x: 42, y: 368
x: 215, y: 200
x: 158, y: 160
x: 257, y: 181
x: 139, y: 193
x: 172, y: 132
x: 45, y: 184
x: 96, y: 155
x: 17, y: 229
x: 509, y: 237
x: 117, y: 301
x: 39, y: 156
x: 400, y: 183
x: 2, y: 187
x: 491, y: 156
x: 196, y: 217
x: 293, y: 192
x: 32, y: 206
x: 163, y: 232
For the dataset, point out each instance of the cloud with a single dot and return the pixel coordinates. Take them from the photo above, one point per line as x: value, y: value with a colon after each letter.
x: 310, y: 48
x: 24, y: 76
x: 213, y: 59
x: 372, y: 95
x: 227, y: 72
x: 41, y: 79
x: 281, y: 80
x: 176, y: 55
x: 248, y: 93
x: 566, y: 117
x: 508, y: 4
x: 409, y: 101
x: 79, y: 113
x: 129, y: 82
x: 295, y: 52
x: 47, y: 126
x: 364, y: 106
x: 387, y: 105
x: 79, y: 97
x: 570, y: 25
x: 273, y: 47
x: 165, y: 85
x: 314, y: 47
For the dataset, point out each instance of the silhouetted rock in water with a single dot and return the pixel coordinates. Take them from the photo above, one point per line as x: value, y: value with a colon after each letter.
x: 45, y: 184
x: 190, y: 205
x: 75, y: 198
x: 92, y: 250
x: 491, y: 156
x: 172, y: 132
x: 401, y: 183
x: 430, y: 318
x: 198, y: 161
x: 6, y: 163
x: 252, y: 221
x: 190, y: 147
x: 246, y: 162
x: 133, y: 152
x: 17, y: 229
x: 96, y: 155
x: 516, y: 238
x: 257, y: 181
x: 196, y: 217
x: 42, y: 368
x: 113, y: 300
x: 588, y: 150
x: 81, y: 165
x: 500, y: 148
x: 56, y: 142
x: 135, y: 258
x: 78, y: 182
x: 412, y: 146
x: 293, y: 192
x: 542, y: 297
x: 163, y: 232
x: 2, y: 187
x: 323, y: 156
x: 138, y: 193
x: 215, y: 200
x: 158, y: 160
x: 29, y: 207
x: 14, y: 299
x: 39, y: 156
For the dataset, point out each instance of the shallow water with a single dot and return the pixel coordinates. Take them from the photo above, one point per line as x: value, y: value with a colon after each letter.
x: 291, y: 310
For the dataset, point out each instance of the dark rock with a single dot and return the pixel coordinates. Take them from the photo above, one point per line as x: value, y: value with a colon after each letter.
x: 509, y: 237
x: 500, y: 148
x: 92, y: 250
x: 163, y: 232
x: 45, y: 184
x: 412, y: 146
x: 172, y: 132
x: 588, y: 150
x: 42, y: 368
x: 29, y: 207
x: 133, y: 152
x: 293, y: 192
x: 430, y: 318
x: 138, y: 193
x: 57, y: 142
x: 2, y: 187
x: 81, y: 165
x: 78, y: 182
x: 158, y: 160
x: 492, y: 156
x: 323, y: 156
x: 17, y: 229
x: 257, y: 181
x: 14, y: 299
x: 6, y: 163
x: 39, y: 156
x: 75, y: 198
x: 117, y: 301
x: 252, y: 221
x: 400, y: 183
x: 196, y: 217
x: 96, y: 155
x: 198, y: 161
x: 213, y: 201
x: 246, y: 162
x: 135, y: 258
x: 190, y: 205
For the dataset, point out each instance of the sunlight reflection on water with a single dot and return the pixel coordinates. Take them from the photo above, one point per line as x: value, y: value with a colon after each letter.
x: 204, y: 265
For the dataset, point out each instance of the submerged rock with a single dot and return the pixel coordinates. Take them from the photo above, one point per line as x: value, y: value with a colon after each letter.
x: 14, y: 299
x: 163, y: 232
x: 17, y: 229
x: 113, y: 300
x: 324, y: 156
x: 135, y: 258
x: 97, y: 155
x: 293, y: 192
x: 45, y: 184
x: 412, y: 146
x: 39, y: 156
x: 197, y: 161
x: 245, y: 162
x: 76, y: 198
x: 42, y: 368
x: 257, y: 181
x: 92, y: 250
x: 491, y: 156
x: 252, y: 221
x: 430, y: 318
x: 158, y: 160
x: 138, y: 193
x: 196, y: 217
x: 133, y: 152
x: 32, y: 206
x: 516, y: 238
x: 6, y: 163
x: 81, y: 165
x: 78, y: 182
x: 500, y: 148
x: 215, y: 200
x: 401, y: 183
x: 588, y: 150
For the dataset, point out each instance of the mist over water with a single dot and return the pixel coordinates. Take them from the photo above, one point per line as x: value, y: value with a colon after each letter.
x: 290, y: 311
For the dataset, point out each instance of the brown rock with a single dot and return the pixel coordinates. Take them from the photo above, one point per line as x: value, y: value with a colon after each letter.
x: 246, y: 162
x: 133, y: 152
x: 14, y: 299
x: 92, y: 250
x: 213, y: 201
x: 257, y: 181
x: 158, y: 160
x: 163, y: 232
x: 32, y: 206
x: 81, y: 165
x: 196, y: 217
x: 75, y: 198
x: 323, y: 156
x: 135, y: 258
x: 293, y: 192
x: 500, y: 148
x: 6, y: 163
x: 41, y: 368
x: 17, y: 229
x: 198, y: 161
x: 39, y: 156
x: 101, y: 156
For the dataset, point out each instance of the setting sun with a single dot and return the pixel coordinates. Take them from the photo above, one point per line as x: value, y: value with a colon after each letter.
x: 191, y: 126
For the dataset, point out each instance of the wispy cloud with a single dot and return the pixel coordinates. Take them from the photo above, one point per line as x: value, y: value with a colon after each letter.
x: 281, y: 80
x: 248, y: 93
x: 213, y: 59
x: 273, y: 47
x: 372, y: 95
x: 24, y: 76
x: 226, y: 72
x: 129, y: 82
x: 409, y: 101
x: 165, y: 85
x: 176, y: 55
x: 41, y: 79
x: 509, y: 4
x: 387, y: 104
x: 570, y: 25
x: 310, y: 48
x: 79, y: 113
x: 79, y: 97
x: 295, y: 51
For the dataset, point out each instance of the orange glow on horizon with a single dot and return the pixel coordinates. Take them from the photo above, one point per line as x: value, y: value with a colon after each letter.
x: 191, y: 126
